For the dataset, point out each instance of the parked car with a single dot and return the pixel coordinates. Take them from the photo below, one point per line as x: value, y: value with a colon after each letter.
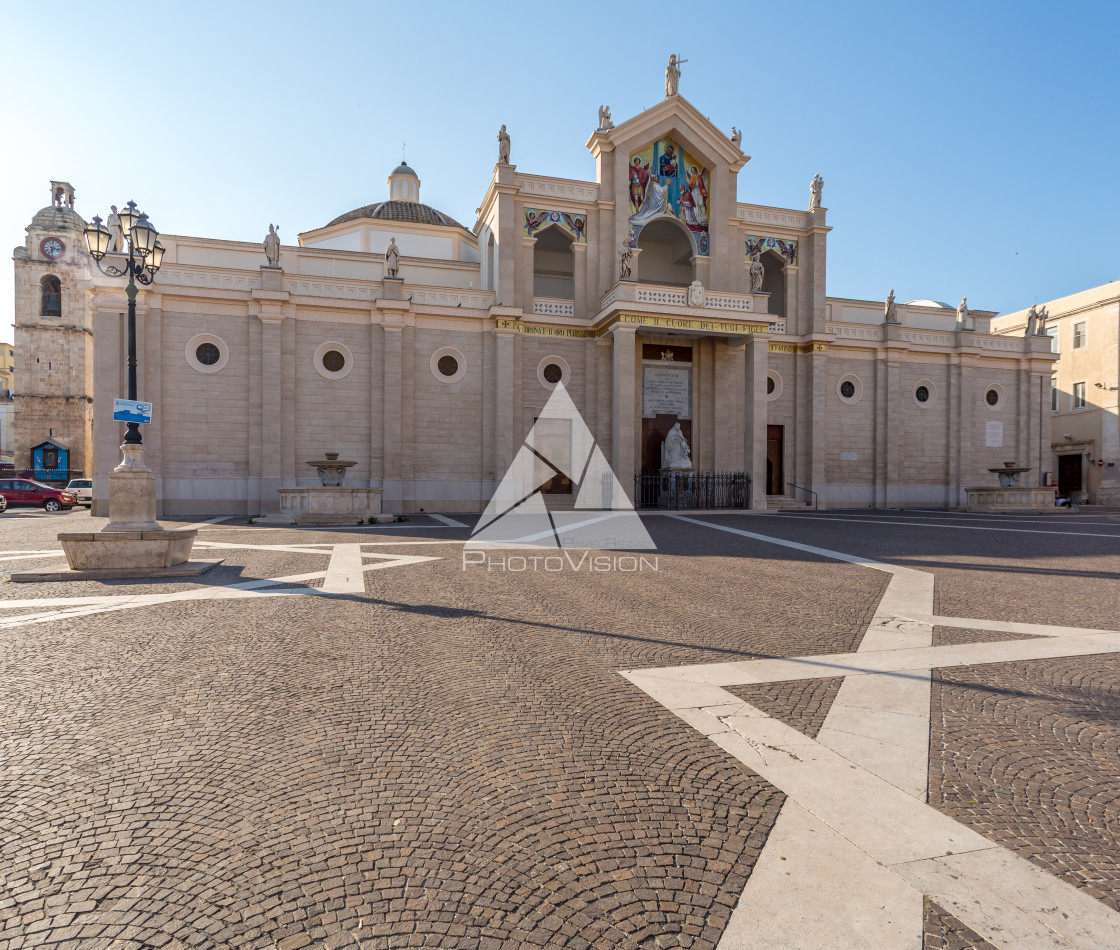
x: 3, y: 504
x: 82, y: 489
x: 25, y: 491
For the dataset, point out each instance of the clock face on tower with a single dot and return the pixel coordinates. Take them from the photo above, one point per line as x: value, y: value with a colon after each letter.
x: 52, y: 248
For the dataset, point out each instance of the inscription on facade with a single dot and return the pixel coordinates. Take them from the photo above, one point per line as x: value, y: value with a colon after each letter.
x: 994, y: 435
x: 666, y: 389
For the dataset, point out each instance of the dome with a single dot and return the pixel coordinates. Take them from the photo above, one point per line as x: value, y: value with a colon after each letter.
x: 403, y: 169
x: 410, y: 212
x: 56, y: 218
x: 937, y: 304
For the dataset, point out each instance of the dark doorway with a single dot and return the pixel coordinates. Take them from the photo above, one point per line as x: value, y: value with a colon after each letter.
x: 1069, y: 477
x: 775, y: 440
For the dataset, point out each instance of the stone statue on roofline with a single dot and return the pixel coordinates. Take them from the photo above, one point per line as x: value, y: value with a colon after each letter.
x: 392, y: 259
x: 964, y: 315
x: 503, y: 146
x: 116, y: 235
x: 816, y: 186
x: 890, y: 311
x: 1043, y: 316
x: 737, y: 137
x: 272, y: 246
x: 673, y: 75
x: 605, y: 118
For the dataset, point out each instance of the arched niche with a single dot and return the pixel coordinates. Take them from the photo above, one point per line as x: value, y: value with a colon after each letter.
x: 667, y: 253
x: 50, y: 296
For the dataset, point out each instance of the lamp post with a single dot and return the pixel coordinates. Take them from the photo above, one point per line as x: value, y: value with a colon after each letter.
x: 145, y: 255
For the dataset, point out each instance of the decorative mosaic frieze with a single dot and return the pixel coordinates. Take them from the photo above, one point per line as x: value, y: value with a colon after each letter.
x: 537, y: 219
x: 786, y: 249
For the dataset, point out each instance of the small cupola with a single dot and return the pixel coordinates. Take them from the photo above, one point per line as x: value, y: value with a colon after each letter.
x: 404, y: 184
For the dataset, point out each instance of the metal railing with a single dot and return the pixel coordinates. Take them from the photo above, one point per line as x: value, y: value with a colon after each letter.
x: 674, y: 491
x: 808, y: 491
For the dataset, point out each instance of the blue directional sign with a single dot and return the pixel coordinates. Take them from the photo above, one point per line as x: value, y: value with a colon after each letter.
x: 128, y: 410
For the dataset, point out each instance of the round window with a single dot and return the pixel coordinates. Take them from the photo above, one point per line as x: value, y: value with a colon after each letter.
x: 207, y: 354
x: 847, y: 389
x: 922, y: 394
x: 553, y: 373
x: 991, y: 397
x: 333, y: 361
x: 771, y: 386
x: 448, y: 365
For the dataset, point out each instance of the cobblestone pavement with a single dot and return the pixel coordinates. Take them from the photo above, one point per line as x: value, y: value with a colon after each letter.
x: 943, y: 931
x: 448, y: 758
x: 1028, y: 754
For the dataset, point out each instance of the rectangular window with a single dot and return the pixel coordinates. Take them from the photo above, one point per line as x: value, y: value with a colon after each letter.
x: 1052, y: 332
x: 1079, y: 335
x: 1078, y: 395
x: 1053, y: 394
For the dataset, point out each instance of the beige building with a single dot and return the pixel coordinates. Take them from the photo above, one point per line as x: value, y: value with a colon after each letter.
x: 7, y: 400
x: 1085, y: 427
x: 652, y: 292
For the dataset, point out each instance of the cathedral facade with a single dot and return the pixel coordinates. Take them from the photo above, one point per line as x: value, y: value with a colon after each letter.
x: 424, y: 349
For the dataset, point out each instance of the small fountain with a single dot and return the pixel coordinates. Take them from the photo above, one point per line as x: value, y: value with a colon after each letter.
x: 328, y: 502
x: 1011, y: 497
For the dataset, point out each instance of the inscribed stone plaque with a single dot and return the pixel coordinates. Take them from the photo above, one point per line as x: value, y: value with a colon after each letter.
x: 994, y: 435
x: 848, y: 456
x: 666, y: 389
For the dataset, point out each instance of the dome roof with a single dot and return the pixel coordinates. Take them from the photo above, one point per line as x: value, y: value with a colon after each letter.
x: 411, y: 212
x: 56, y: 218
x: 930, y: 303
x: 403, y: 169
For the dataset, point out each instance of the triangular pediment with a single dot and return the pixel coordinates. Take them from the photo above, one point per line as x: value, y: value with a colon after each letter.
x: 675, y: 118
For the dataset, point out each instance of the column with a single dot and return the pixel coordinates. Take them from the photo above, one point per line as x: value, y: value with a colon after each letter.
x: 754, y: 436
x: 623, y: 399
x: 581, y: 298
x: 790, y: 271
x: 527, y: 282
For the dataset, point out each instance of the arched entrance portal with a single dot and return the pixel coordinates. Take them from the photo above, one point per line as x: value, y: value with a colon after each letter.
x: 666, y: 253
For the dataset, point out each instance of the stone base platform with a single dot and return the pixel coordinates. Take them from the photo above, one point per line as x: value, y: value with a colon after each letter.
x: 186, y: 569
x: 1012, y: 501
x: 127, y: 550
x: 328, y: 505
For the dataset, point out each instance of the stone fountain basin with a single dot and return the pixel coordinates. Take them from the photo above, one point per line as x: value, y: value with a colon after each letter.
x: 127, y: 549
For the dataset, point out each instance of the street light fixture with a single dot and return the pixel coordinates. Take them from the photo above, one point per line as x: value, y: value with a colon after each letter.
x: 145, y: 255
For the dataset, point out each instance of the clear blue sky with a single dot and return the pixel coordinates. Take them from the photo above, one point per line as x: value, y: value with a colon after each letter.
x: 966, y: 148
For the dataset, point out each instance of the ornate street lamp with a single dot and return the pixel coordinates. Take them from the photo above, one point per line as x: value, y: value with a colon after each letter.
x: 145, y: 255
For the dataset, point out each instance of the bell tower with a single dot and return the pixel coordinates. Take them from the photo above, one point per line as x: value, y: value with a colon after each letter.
x: 54, y: 335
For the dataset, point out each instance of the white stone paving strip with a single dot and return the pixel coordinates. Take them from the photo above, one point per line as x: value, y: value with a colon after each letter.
x: 204, y: 524
x: 450, y: 522
x: 932, y: 524
x: 855, y: 831
x: 348, y: 577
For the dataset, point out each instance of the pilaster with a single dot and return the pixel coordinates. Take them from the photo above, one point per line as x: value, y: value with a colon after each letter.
x: 503, y: 422
x: 623, y: 396
x: 391, y: 414
x: 754, y: 434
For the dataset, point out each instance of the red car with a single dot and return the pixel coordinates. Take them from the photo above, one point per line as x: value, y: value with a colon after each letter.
x: 24, y: 491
